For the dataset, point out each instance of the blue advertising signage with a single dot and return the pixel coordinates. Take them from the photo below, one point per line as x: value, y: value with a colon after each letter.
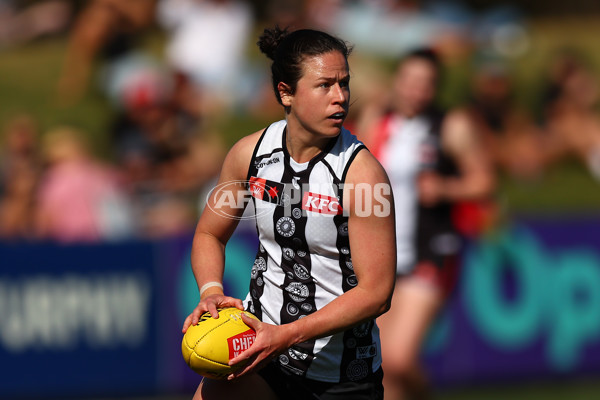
x: 105, y: 319
x: 77, y: 319
x: 527, y: 305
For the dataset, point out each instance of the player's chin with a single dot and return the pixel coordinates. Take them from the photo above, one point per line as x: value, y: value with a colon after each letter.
x: 332, y: 128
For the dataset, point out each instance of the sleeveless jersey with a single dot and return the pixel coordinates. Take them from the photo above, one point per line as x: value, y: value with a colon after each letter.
x: 398, y: 145
x: 304, y: 259
x: 437, y: 237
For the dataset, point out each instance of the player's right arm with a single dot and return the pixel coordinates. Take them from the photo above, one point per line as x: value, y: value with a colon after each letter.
x: 215, y: 226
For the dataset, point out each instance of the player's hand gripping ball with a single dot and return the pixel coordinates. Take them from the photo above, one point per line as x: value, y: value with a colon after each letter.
x: 208, y: 346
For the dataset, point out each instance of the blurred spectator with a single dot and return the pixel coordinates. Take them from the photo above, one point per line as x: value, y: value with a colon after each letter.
x: 17, y: 203
x: 163, y: 147
x: 19, y: 172
x: 159, y: 133
x: 391, y: 27
x: 502, y: 29
x: 320, y: 14
x: 383, y: 27
x: 570, y: 110
x: 20, y: 145
x: 80, y: 198
x: 104, y: 28
x: 290, y: 13
x: 207, y: 41
x: 22, y: 21
x: 510, y: 135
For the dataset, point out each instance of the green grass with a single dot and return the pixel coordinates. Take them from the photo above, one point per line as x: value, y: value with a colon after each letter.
x: 567, y: 187
x: 569, y: 390
x: 28, y: 85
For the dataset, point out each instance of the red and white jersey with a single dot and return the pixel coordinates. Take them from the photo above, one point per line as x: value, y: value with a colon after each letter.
x: 399, y: 147
x: 304, y: 259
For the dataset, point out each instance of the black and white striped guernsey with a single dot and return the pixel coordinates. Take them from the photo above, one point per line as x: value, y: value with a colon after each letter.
x: 304, y: 260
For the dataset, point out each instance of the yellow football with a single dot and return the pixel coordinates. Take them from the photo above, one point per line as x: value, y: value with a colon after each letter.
x: 208, y: 346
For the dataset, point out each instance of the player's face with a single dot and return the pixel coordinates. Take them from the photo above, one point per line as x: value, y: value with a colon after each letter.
x: 321, y: 100
x: 414, y: 86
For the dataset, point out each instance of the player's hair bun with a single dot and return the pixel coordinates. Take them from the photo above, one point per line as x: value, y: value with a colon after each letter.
x: 270, y: 39
x: 289, y: 50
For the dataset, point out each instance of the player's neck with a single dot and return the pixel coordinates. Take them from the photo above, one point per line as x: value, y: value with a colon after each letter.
x: 302, y: 145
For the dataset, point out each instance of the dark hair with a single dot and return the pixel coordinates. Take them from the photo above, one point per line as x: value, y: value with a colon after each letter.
x: 428, y: 55
x: 289, y: 49
x: 425, y: 54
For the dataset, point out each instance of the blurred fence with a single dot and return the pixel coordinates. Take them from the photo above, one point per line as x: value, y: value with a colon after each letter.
x: 105, y: 319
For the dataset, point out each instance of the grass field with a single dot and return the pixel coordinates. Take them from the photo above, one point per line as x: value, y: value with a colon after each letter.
x: 563, y: 390
x: 572, y: 390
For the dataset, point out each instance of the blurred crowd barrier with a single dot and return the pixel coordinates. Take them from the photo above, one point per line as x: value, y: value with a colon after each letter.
x: 105, y: 319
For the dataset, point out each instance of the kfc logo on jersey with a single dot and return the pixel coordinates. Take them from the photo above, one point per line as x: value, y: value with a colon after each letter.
x: 320, y: 203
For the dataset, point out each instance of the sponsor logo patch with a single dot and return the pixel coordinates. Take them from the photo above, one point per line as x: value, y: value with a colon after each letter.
x: 263, y: 189
x: 320, y: 203
x: 240, y: 342
x: 261, y: 164
x: 366, y: 351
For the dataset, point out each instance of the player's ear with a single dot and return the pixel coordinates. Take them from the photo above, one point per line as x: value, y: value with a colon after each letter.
x: 285, y: 92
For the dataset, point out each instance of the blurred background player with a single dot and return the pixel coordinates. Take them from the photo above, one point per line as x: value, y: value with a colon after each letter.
x: 570, y: 110
x: 515, y: 144
x: 433, y: 160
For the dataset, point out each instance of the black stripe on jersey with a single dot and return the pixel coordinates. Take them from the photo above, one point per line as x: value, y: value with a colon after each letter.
x: 257, y: 281
x: 359, y: 349
x: 251, y: 167
x: 260, y: 261
x: 352, y: 157
x: 298, y: 285
x: 313, y: 160
x: 257, y: 159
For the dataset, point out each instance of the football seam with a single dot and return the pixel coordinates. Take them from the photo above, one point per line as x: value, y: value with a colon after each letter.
x: 207, y: 359
x: 193, y: 351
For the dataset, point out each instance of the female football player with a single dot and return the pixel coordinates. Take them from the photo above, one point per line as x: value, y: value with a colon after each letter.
x: 325, y: 267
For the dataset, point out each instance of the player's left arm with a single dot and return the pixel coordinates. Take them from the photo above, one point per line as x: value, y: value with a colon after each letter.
x: 371, y: 230
x: 476, y: 178
x: 372, y: 235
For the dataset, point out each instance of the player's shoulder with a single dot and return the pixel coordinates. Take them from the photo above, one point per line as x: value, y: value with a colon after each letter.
x: 239, y: 156
x: 458, y: 116
x: 365, y: 168
x: 459, y: 131
x: 246, y: 144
